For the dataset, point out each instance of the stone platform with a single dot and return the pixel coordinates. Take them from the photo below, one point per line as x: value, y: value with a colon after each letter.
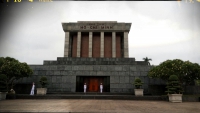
x: 119, y: 74
x: 109, y: 96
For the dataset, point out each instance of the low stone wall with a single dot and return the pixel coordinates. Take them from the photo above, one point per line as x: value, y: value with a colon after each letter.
x: 157, y: 89
x: 191, y: 99
x: 23, y: 88
x: 192, y: 90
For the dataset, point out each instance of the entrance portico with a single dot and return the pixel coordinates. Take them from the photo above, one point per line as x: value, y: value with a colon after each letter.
x: 93, y: 83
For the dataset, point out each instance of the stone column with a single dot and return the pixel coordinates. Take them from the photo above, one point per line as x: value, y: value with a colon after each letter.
x: 102, y: 45
x: 126, y: 45
x: 70, y: 46
x: 66, y: 49
x: 79, y: 44
x: 90, y: 44
x: 113, y: 45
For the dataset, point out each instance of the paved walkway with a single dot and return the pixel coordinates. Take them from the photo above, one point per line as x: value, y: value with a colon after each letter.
x: 97, y: 106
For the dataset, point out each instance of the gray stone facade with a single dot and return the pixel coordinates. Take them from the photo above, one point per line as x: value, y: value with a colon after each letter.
x: 62, y: 73
x: 66, y: 74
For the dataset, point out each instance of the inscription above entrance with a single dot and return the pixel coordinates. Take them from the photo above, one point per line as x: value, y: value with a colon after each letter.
x: 96, y: 26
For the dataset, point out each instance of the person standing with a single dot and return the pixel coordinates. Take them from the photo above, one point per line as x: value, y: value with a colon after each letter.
x: 85, y: 87
x: 101, y: 87
x: 33, y: 88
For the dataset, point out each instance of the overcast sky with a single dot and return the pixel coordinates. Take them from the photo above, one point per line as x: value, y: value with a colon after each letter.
x: 32, y: 32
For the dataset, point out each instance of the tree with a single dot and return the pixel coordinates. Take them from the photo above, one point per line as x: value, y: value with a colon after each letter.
x: 186, y: 71
x: 138, y: 82
x: 173, y: 85
x: 43, y: 81
x: 14, y: 70
x: 146, y: 59
x: 192, y: 72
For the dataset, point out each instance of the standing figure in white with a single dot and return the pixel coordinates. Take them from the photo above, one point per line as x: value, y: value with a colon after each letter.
x: 101, y: 88
x: 85, y: 87
x: 33, y: 88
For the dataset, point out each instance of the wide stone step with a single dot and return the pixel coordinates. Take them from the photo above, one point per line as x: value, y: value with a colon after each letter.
x: 90, y: 96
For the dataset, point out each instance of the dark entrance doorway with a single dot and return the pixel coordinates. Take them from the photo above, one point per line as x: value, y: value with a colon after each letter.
x: 93, y: 83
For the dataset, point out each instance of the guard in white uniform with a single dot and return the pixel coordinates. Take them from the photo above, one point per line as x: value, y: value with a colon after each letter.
x: 85, y: 87
x: 33, y: 88
x: 101, y: 87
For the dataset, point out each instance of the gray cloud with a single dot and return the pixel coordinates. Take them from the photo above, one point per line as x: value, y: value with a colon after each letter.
x: 32, y: 32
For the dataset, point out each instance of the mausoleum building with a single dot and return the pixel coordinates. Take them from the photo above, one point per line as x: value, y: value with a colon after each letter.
x: 95, y: 52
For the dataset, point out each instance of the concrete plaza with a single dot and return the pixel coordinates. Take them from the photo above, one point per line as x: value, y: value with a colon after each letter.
x: 97, y: 106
